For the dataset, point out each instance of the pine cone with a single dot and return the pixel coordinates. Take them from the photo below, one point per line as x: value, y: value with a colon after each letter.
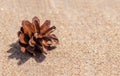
x: 33, y: 37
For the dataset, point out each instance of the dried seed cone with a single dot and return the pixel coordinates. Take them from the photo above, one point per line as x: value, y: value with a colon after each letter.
x: 34, y: 37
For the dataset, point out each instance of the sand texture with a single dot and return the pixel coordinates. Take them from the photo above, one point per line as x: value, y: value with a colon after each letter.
x: 88, y: 30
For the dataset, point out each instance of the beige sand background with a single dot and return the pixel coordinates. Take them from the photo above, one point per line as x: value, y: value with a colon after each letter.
x: 88, y: 30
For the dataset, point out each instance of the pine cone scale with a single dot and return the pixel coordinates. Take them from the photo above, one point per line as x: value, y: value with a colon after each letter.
x: 45, y: 27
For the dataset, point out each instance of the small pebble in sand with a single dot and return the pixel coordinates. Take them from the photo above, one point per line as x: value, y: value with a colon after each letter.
x: 1, y: 9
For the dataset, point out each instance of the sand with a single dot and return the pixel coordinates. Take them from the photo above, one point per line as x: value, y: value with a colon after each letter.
x: 88, y: 30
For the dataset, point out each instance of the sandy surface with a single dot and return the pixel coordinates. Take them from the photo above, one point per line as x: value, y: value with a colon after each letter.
x: 88, y: 30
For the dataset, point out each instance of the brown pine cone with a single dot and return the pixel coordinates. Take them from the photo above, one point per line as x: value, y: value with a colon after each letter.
x: 34, y: 37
